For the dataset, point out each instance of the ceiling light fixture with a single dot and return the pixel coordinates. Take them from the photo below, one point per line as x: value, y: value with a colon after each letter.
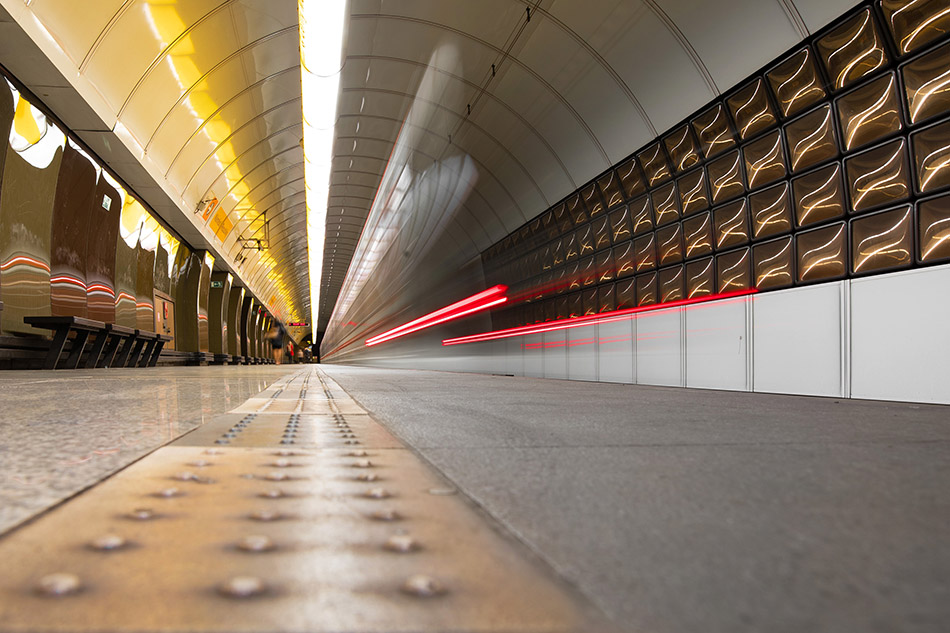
x: 322, y: 29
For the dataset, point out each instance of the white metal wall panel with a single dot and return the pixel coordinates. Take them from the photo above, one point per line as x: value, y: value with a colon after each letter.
x: 533, y: 355
x: 900, y: 329
x: 555, y: 354
x: 514, y: 356
x: 582, y: 353
x: 616, y: 358
x: 717, y: 345
x: 660, y: 348
x: 798, y: 345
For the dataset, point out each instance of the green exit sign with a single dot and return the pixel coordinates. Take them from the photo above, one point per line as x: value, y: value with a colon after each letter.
x: 217, y: 284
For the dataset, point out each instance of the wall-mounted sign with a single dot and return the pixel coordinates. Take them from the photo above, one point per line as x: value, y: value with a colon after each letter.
x: 106, y: 202
x: 298, y: 324
x: 217, y: 284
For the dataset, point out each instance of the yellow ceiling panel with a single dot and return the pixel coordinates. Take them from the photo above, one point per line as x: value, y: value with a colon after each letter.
x: 76, y: 25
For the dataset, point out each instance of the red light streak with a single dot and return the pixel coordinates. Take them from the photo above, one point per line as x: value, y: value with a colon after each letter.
x: 605, y: 317
x: 470, y: 305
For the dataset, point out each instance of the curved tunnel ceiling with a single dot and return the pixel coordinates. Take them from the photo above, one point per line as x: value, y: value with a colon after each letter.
x: 540, y: 105
x: 206, y: 94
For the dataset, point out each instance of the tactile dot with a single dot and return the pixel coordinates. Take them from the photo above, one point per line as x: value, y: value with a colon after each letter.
x: 169, y: 492
x: 242, y: 587
x: 377, y: 493
x: 277, y: 476
x: 273, y: 494
x: 108, y: 542
x: 402, y: 543
x: 142, y: 514
x: 367, y: 477
x: 213, y: 451
x: 423, y: 586
x: 266, y: 515
x: 185, y: 476
x: 256, y: 543
x: 282, y: 463
x: 444, y: 492
x: 200, y: 463
x: 59, y: 584
x: 363, y: 463
x: 385, y: 515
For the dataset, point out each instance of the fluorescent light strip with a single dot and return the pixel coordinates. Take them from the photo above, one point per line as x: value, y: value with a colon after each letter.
x: 476, y: 303
x: 322, y: 24
x: 604, y: 317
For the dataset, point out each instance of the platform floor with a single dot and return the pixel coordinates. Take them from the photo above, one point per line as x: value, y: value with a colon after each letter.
x: 672, y: 510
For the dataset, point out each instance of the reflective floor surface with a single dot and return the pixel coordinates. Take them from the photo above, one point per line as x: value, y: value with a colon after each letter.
x: 61, y: 431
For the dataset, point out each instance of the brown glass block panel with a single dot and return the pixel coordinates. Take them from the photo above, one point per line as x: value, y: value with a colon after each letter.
x: 764, y: 160
x: 932, y: 157
x: 672, y: 284
x: 646, y: 289
x: 666, y: 204
x: 713, y: 130
x: 641, y: 215
x: 591, y: 196
x: 751, y: 110
x: 549, y: 226
x: 621, y: 228
x: 693, y: 195
x: 572, y: 277
x: 880, y: 176
x: 669, y: 244
x: 773, y: 264
x: 591, y: 302
x: 725, y: 177
x: 795, y: 83
x: 933, y: 218
x: 869, y: 113
x: 610, y: 190
x: 883, y: 241
x: 626, y: 294
x: 927, y: 84
x: 682, y: 149
x: 576, y: 210
x: 606, y: 299
x: 644, y: 249
x: 604, y: 265
x: 700, y: 278
x: 571, y: 250
x: 823, y: 253
x: 601, y: 233
x: 631, y: 180
x: 771, y: 211
x: 697, y: 233
x: 547, y: 258
x: 852, y: 50
x: 585, y: 240
x: 624, y: 259
x: 550, y: 309
x: 818, y: 196
x: 563, y: 307
x: 563, y: 219
x: 654, y: 165
x: 811, y: 139
x: 557, y: 253
x: 731, y: 224
x: 734, y: 271
x: 587, y: 269
x: 913, y: 23
x: 575, y: 305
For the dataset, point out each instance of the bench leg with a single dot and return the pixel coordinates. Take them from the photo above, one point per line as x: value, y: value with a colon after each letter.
x: 96, y: 352
x: 136, y: 352
x: 56, y: 348
x: 147, y: 354
x: 153, y: 360
x: 122, y: 359
x: 79, y: 343
x: 108, y: 354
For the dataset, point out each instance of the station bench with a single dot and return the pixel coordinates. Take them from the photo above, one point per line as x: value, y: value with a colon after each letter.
x: 113, y: 345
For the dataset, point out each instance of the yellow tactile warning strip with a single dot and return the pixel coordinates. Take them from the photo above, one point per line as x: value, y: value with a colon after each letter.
x: 296, y: 512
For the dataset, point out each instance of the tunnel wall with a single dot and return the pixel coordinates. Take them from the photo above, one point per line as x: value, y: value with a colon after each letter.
x: 74, y: 242
x: 820, y: 183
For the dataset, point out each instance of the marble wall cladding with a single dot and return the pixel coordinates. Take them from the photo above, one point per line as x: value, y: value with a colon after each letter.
x: 6, y: 121
x: 101, y: 253
x: 235, y: 299
x: 782, y: 180
x: 204, y: 288
x: 70, y: 225
x: 144, y: 287
x: 246, y: 324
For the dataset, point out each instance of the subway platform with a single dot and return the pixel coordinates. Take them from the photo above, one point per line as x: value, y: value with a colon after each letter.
x: 333, y: 498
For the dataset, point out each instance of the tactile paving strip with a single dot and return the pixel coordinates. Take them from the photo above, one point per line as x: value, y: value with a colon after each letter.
x: 257, y: 534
